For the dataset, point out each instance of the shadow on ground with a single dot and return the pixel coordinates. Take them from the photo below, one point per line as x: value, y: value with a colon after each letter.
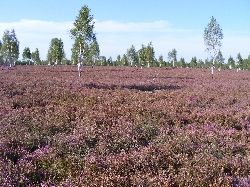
x: 150, y: 87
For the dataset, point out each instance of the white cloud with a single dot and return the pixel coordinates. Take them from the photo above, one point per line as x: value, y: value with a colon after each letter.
x: 116, y: 37
x: 234, y: 44
x: 38, y: 34
x: 115, y: 26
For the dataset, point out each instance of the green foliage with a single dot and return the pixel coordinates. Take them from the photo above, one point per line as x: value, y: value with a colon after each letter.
x: 14, y: 44
x: 193, y: 62
x: 142, y: 53
x: 110, y: 61
x: 124, y: 60
x: 212, y: 37
x: 208, y: 63
x: 83, y: 26
x: 240, y: 62
x: 231, y: 62
x: 118, y: 61
x: 35, y: 56
x: 200, y: 64
x: 55, y: 52
x: 76, y: 50
x: 65, y: 61
x: 84, y: 55
x: 103, y: 61
x: 94, y: 52
x: 219, y: 60
x: 182, y: 62
x: 246, y: 64
x: 85, y: 45
x: 243, y: 63
x: 26, y: 55
x: 10, y: 46
x: 160, y: 60
x: 172, y: 56
x: 150, y: 53
x: 146, y: 54
x: 132, y: 56
x: 1, y: 57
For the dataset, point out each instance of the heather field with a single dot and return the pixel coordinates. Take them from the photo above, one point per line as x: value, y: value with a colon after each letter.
x: 124, y: 126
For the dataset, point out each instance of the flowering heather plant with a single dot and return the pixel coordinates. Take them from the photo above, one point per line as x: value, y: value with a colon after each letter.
x: 124, y: 126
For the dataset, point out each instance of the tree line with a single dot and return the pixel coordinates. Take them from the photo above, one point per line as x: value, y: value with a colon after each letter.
x: 86, y: 49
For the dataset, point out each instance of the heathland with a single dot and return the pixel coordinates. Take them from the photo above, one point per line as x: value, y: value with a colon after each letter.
x: 124, y: 126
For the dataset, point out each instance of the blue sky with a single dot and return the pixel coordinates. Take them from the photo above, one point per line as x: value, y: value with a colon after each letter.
x: 119, y: 24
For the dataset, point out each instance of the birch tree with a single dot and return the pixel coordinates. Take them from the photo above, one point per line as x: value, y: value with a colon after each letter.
x: 94, y: 52
x: 26, y: 55
x: 219, y: 59
x: 212, y: 39
x: 131, y: 55
x: 160, y: 60
x: 10, y: 47
x: 83, y: 35
x: 35, y: 56
x: 231, y: 62
x: 172, y: 56
x: 142, y: 53
x: 150, y: 53
x: 55, y: 52
x: 119, y: 60
x: 1, y: 56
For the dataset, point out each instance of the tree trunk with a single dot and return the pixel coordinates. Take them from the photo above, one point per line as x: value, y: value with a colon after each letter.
x: 213, y: 69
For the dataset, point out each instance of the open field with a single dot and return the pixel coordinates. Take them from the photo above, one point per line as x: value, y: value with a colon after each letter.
x: 123, y: 126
